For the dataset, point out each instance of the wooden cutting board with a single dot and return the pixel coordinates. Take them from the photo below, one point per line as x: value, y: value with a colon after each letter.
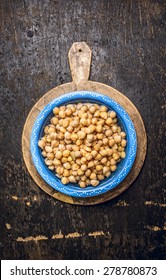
x: 80, y: 61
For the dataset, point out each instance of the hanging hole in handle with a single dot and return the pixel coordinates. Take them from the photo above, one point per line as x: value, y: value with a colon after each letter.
x: 80, y: 50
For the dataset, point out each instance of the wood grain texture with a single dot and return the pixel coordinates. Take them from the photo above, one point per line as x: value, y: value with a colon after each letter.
x: 128, y: 45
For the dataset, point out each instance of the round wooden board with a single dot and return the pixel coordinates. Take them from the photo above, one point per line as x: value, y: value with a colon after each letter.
x: 80, y: 59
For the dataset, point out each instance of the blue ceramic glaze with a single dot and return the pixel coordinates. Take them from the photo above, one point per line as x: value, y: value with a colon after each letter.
x: 123, y: 167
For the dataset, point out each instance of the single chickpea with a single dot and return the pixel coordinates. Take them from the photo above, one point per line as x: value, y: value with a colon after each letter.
x: 68, y: 112
x: 66, y: 153
x: 80, y: 172
x: 82, y: 184
x: 66, y: 173
x: 109, y: 121
x: 64, y: 159
x: 99, y: 128
x: 114, y: 128
x: 65, y: 123
x: 106, y: 169
x: 96, y: 147
x: 51, y: 167
x: 123, y: 155
x: 44, y: 154
x: 112, y: 114
x: 56, y: 162
x: 65, y: 180
x: 103, y: 108
x: 89, y: 157
x: 62, y: 114
x: 48, y: 161
x: 99, y: 167
x: 94, y: 183
x: 103, y: 160
x: 123, y: 143
x: 108, y: 174
x: 99, y: 136
x: 87, y: 173
x: 94, y: 153
x: 92, y: 109
x: 48, y: 149
x: 105, y: 141
x: 94, y: 120
x: 50, y: 155
x: 92, y: 128
x: 97, y: 113
x: 41, y: 144
x: 123, y: 134
x: 90, y: 137
x: 83, y: 178
x: 115, y: 156
x: 75, y: 166
x: 74, y: 123
x: 70, y: 128
x: 78, y: 161
x: 83, y: 121
x: 117, y: 139
x: 74, y: 137
x: 99, y: 157
x: 56, y: 111
x: 92, y: 176
x: 108, y: 132
x: 60, y: 170
x: 83, y: 167
x: 74, y: 173
x: 72, y: 179
x: 103, y: 115
x: 67, y: 165
x: 113, y: 168
x: 84, y: 108
x: 77, y: 154
x: 100, y: 177
x: 111, y: 142
x: 81, y: 134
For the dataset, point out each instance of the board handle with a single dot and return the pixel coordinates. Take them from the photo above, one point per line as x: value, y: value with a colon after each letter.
x: 80, y: 60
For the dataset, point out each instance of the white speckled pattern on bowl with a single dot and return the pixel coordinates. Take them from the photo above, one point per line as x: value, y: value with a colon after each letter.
x: 123, y: 167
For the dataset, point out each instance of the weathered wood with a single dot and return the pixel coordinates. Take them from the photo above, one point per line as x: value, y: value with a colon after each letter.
x: 80, y: 58
x: 128, y: 40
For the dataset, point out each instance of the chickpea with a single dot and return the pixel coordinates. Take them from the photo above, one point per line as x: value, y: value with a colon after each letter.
x: 62, y: 114
x: 94, y: 183
x: 75, y: 167
x: 100, y: 177
x: 97, y: 113
x: 123, y: 134
x: 66, y: 173
x: 92, y: 109
x: 89, y: 157
x: 81, y: 134
x: 72, y: 179
x: 117, y: 139
x: 94, y: 153
x: 113, y: 168
x: 112, y: 114
x: 80, y: 172
x: 66, y: 153
x: 67, y: 165
x: 48, y: 161
x: 115, y: 156
x: 51, y: 167
x: 70, y: 128
x: 68, y: 112
x: 103, y: 160
x: 123, y: 155
x: 103, y: 115
x: 48, y: 149
x: 123, y: 143
x: 65, y: 180
x: 60, y: 170
x: 50, y: 155
x: 56, y: 111
x: 87, y: 173
x: 111, y: 142
x: 90, y: 137
x: 99, y: 128
x: 92, y: 176
x: 105, y: 169
x: 44, y: 154
x: 41, y: 144
x: 109, y: 121
x: 83, y: 167
x: 82, y: 184
x: 74, y: 137
x: 99, y: 167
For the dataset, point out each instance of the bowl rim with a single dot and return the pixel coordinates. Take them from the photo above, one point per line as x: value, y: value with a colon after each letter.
x: 105, y: 185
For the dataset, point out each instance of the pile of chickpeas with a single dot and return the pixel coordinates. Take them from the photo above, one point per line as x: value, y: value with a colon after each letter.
x: 83, y: 143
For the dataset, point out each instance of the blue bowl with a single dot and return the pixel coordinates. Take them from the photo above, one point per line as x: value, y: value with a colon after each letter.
x: 123, y: 167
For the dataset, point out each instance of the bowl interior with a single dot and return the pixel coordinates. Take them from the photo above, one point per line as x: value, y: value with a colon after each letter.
x: 123, y: 167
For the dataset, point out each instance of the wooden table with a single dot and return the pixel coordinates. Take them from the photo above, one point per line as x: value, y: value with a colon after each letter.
x: 127, y: 41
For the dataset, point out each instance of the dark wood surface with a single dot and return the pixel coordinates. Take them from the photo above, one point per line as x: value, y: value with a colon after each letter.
x: 128, y: 45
